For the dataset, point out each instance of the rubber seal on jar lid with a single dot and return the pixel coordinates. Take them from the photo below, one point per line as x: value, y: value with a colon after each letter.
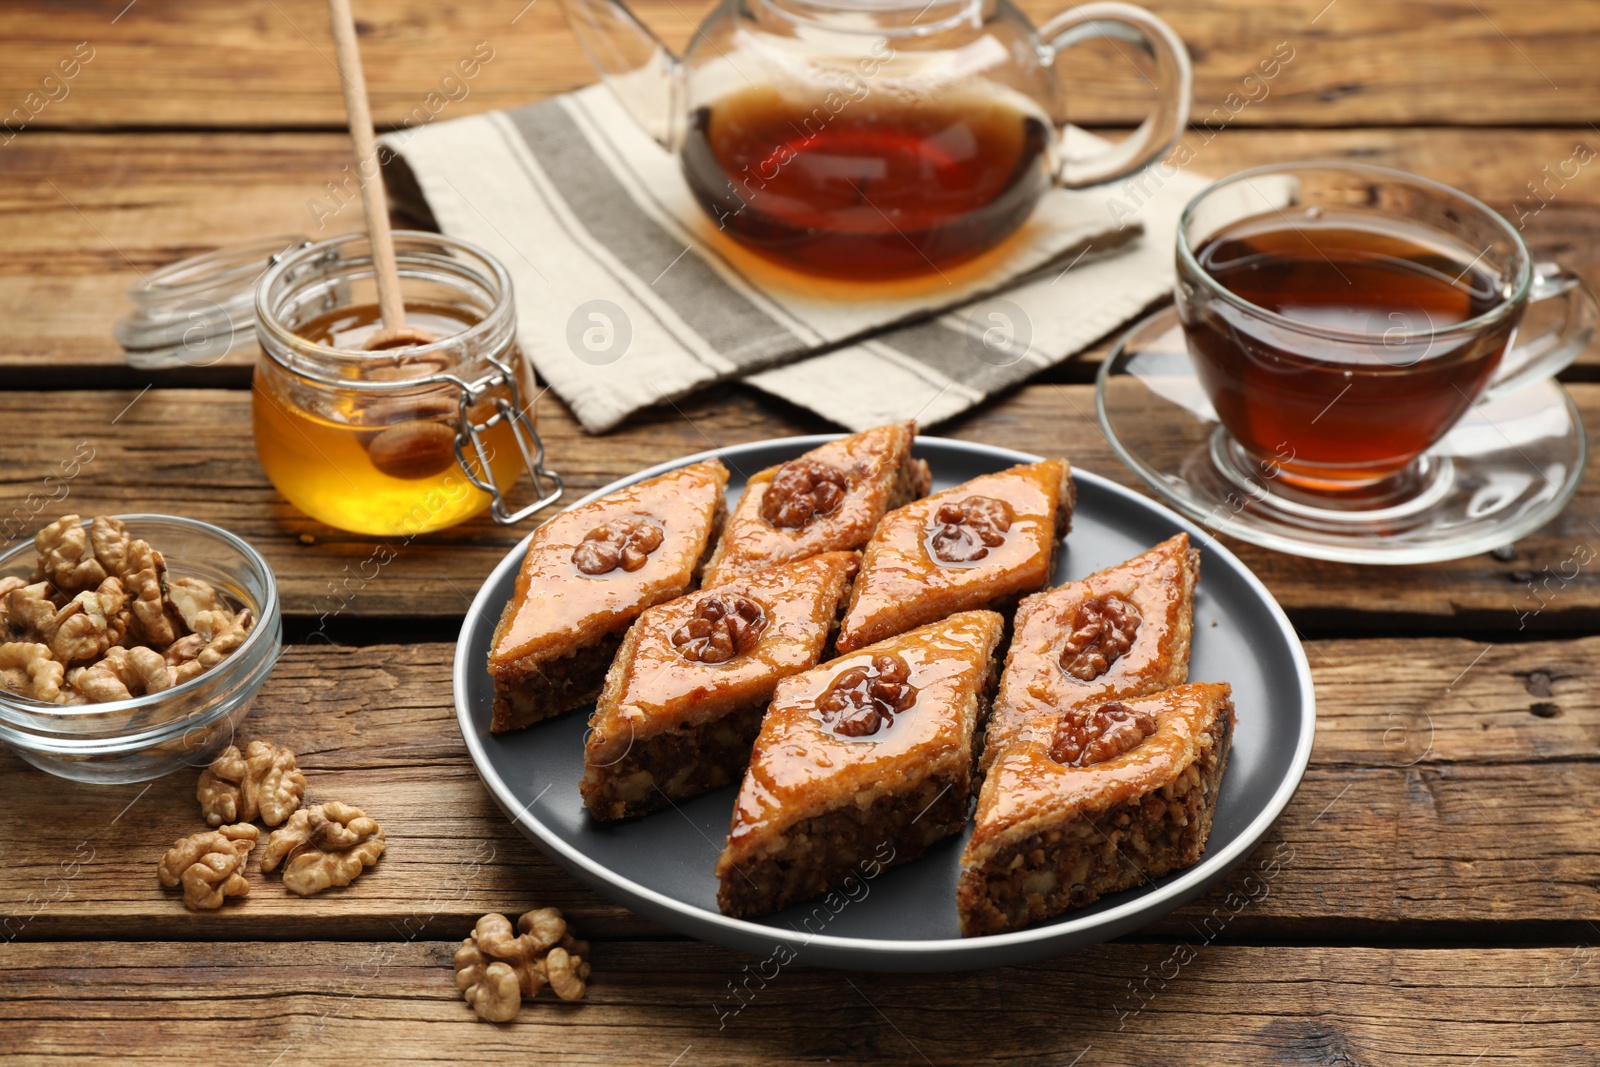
x: 197, y: 311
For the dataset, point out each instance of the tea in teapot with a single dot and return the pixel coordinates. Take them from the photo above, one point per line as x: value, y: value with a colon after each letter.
x: 881, y: 190
x: 874, y: 139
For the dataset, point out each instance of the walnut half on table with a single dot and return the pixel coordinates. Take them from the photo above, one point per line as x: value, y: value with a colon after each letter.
x: 497, y: 970
x: 209, y: 865
x: 263, y: 780
x: 321, y: 846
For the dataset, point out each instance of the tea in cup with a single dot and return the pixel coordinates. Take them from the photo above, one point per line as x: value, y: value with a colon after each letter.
x: 1343, y: 317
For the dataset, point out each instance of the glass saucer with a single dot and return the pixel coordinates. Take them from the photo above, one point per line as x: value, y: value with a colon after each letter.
x: 1505, y: 470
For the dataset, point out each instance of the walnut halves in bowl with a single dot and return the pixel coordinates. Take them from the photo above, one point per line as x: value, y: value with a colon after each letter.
x: 325, y: 845
x: 101, y: 606
x: 132, y: 711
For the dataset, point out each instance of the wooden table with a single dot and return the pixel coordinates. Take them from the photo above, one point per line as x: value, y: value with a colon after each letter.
x: 1429, y: 896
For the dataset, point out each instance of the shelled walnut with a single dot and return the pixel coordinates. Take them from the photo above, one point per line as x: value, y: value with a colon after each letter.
x: 325, y: 845
x: 802, y: 490
x: 220, y: 644
x: 26, y: 668
x: 963, y: 531
x: 9, y: 585
x: 724, y: 625
x: 1083, y: 739
x: 864, y: 700
x: 102, y: 606
x: 144, y: 573
x: 79, y: 630
x: 202, y: 611
x: 490, y: 986
x: 263, y: 780
x: 625, y: 543
x: 1102, y: 633
x: 209, y: 865
x: 123, y: 674
x: 496, y: 970
x: 67, y: 558
x: 111, y: 543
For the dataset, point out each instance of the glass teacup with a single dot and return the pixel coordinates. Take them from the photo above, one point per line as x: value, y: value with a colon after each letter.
x: 1343, y: 317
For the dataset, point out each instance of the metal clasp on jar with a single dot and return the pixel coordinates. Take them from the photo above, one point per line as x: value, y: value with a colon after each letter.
x: 500, y: 389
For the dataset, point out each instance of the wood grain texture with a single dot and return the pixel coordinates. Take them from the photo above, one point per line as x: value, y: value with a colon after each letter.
x: 188, y: 452
x: 1447, y: 807
x: 76, y: 239
x: 673, y: 1004
x: 1427, y: 750
x: 268, y: 63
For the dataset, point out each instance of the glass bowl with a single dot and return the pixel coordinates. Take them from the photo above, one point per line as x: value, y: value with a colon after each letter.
x: 185, y: 726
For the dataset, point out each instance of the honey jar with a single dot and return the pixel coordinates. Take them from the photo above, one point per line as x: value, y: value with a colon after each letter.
x: 394, y: 442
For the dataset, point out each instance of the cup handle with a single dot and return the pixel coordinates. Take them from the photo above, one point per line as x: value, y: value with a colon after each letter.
x: 1553, y: 350
x: 1174, y: 78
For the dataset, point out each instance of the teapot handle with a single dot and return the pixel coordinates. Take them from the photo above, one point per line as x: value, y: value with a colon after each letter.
x: 1174, y: 79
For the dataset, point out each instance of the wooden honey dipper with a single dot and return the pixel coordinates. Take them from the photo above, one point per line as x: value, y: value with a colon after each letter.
x: 417, y: 447
x: 395, y: 332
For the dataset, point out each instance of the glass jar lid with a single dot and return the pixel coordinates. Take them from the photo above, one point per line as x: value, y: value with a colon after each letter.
x: 196, y: 311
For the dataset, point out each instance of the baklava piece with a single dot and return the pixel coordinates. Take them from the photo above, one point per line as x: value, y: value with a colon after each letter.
x: 684, y: 698
x: 861, y: 763
x: 829, y: 499
x: 588, y: 574
x: 1114, y: 799
x: 1121, y: 632
x: 983, y: 544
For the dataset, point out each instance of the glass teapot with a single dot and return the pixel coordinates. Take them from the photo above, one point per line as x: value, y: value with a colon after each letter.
x: 875, y: 138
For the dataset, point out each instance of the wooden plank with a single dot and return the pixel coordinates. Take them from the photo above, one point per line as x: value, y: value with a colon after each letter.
x: 90, y: 214
x: 669, y: 1004
x: 94, y: 214
x: 269, y: 63
x: 1427, y: 751
x: 187, y: 451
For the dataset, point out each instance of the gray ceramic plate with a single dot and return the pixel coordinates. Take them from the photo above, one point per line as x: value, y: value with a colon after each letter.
x: 660, y: 865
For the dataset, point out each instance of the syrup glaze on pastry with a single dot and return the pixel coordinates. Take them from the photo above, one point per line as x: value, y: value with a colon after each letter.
x: 873, y: 756
x: 1121, y: 632
x: 829, y: 499
x: 587, y: 574
x: 981, y: 544
x: 1052, y: 836
x: 677, y: 717
x: 817, y: 798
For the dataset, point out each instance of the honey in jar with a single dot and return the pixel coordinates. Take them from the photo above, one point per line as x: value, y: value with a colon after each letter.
x: 390, y: 442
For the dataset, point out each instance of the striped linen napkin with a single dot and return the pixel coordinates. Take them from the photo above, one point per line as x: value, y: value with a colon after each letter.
x: 627, y: 296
